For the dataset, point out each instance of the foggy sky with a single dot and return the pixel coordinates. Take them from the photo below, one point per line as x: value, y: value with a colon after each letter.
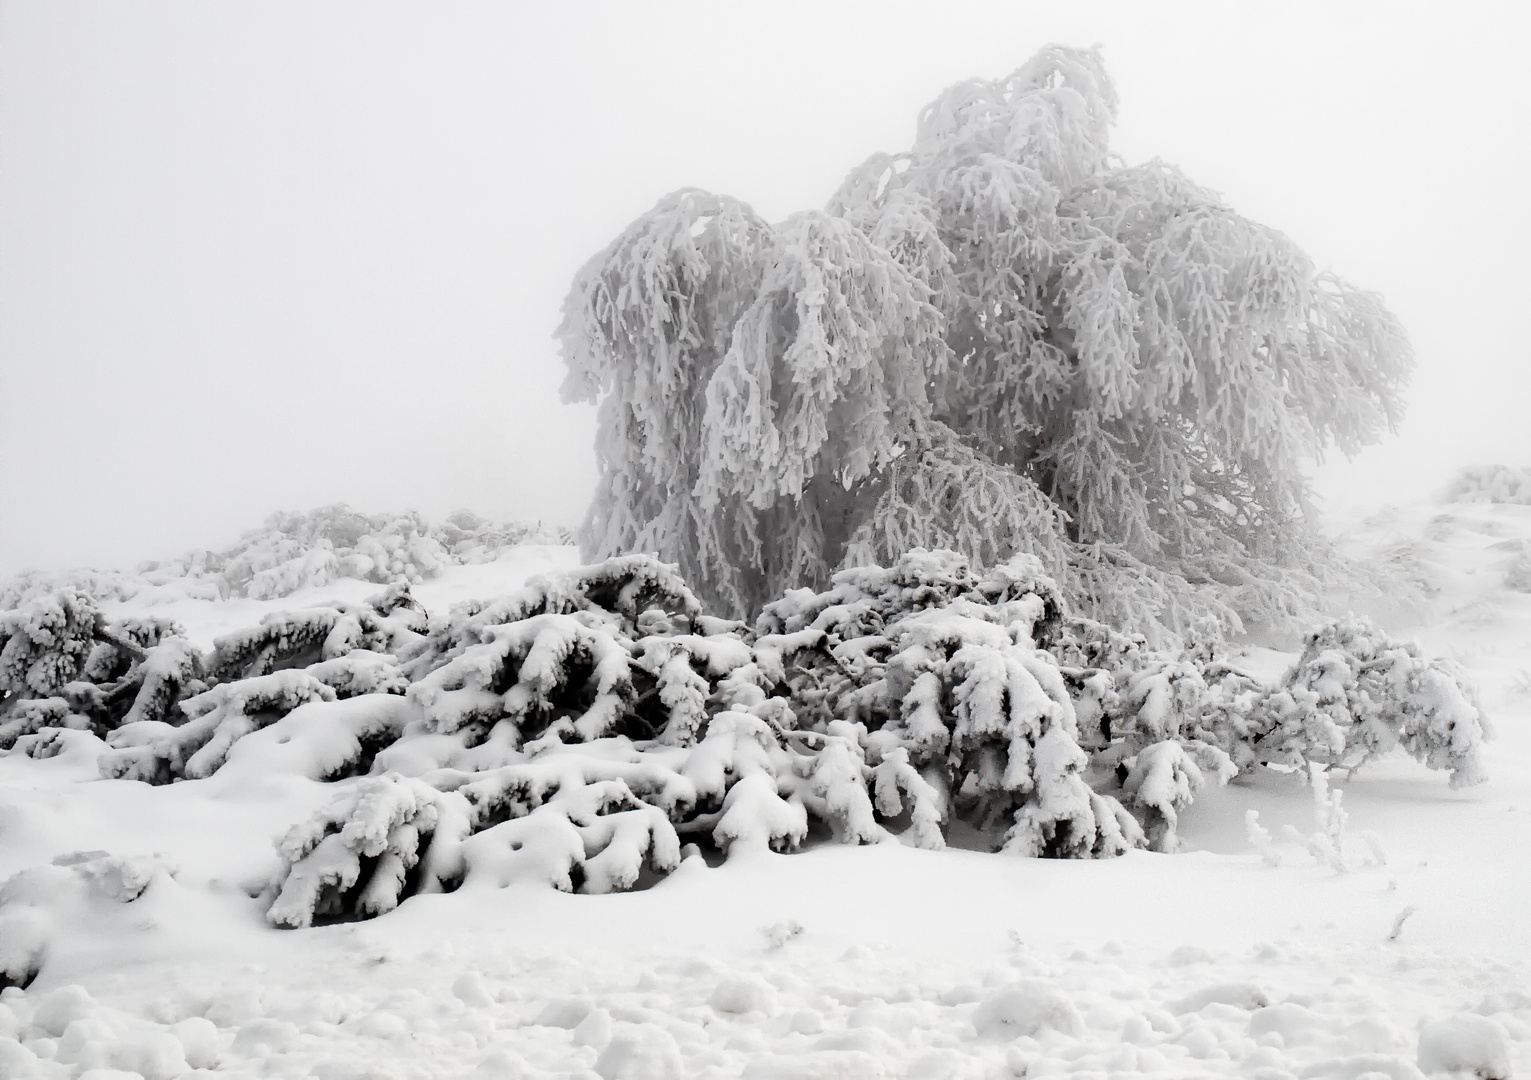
x: 267, y: 256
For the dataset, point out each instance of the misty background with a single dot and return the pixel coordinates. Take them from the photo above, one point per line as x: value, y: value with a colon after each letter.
x: 259, y: 257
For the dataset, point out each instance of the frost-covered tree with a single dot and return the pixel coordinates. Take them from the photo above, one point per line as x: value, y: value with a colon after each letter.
x: 1001, y: 340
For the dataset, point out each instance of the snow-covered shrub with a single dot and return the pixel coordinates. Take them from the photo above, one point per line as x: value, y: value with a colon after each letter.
x: 944, y: 664
x: 575, y: 731
x: 1491, y: 483
x: 591, y: 834
x: 157, y: 752
x: 768, y: 783
x: 316, y: 567
x: 287, y: 639
x: 925, y: 686
x: 472, y: 539
x: 45, y: 642
x: 299, y: 550
x: 101, y: 585
x: 295, y: 551
x: 593, y: 718
x: 576, y: 655
x: 155, y: 681
x: 569, y: 817
x: 325, y: 740
x: 826, y: 647
x: 619, y: 591
x: 586, y: 816
x: 1405, y: 560
x: 550, y: 672
x: 170, y: 712
x: 66, y: 666
x: 1163, y: 779
x: 1517, y: 575
x: 369, y: 841
x: 121, y: 643
x: 974, y: 699
x: 1355, y: 694
x: 360, y: 672
x: 63, y: 665
x: 1165, y: 722
x: 29, y: 716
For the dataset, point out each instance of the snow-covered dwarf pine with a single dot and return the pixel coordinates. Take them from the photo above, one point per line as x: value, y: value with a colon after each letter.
x: 1356, y: 694
x: 260, y: 675
x: 1353, y: 695
x: 63, y: 665
x: 46, y: 642
x: 583, y: 729
x: 293, y: 551
x: 1492, y: 484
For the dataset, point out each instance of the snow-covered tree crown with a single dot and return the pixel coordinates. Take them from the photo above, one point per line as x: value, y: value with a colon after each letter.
x: 1128, y: 371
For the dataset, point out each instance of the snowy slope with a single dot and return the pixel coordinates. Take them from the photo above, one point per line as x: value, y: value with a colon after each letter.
x: 840, y: 961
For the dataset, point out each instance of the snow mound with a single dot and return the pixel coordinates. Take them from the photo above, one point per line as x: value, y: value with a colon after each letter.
x: 1465, y: 1044
x: 340, y: 1011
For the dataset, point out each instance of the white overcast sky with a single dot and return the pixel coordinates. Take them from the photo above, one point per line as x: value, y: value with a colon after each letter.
x: 271, y: 255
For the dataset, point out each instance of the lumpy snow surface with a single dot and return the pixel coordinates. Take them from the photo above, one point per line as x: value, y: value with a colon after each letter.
x: 1256, y: 952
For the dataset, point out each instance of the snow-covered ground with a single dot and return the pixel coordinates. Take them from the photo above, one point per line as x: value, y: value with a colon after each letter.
x: 882, y: 960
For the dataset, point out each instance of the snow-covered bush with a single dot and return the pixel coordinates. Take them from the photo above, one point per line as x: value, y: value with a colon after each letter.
x: 297, y: 550
x: 619, y: 591
x: 587, y: 737
x: 1004, y: 340
x: 1356, y: 694
x: 293, y: 551
x: 32, y: 715
x: 63, y: 665
x: 369, y: 840
x: 257, y: 676
x: 944, y: 664
x: 575, y: 731
x: 1517, y: 574
x: 550, y: 668
x: 101, y: 585
x: 45, y: 642
x: 1491, y: 483
x: 288, y: 639
x: 584, y: 724
x: 154, y: 682
x: 169, y: 711
x: 1163, y: 778
x: 135, y: 669
x: 587, y: 818
x: 157, y: 752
